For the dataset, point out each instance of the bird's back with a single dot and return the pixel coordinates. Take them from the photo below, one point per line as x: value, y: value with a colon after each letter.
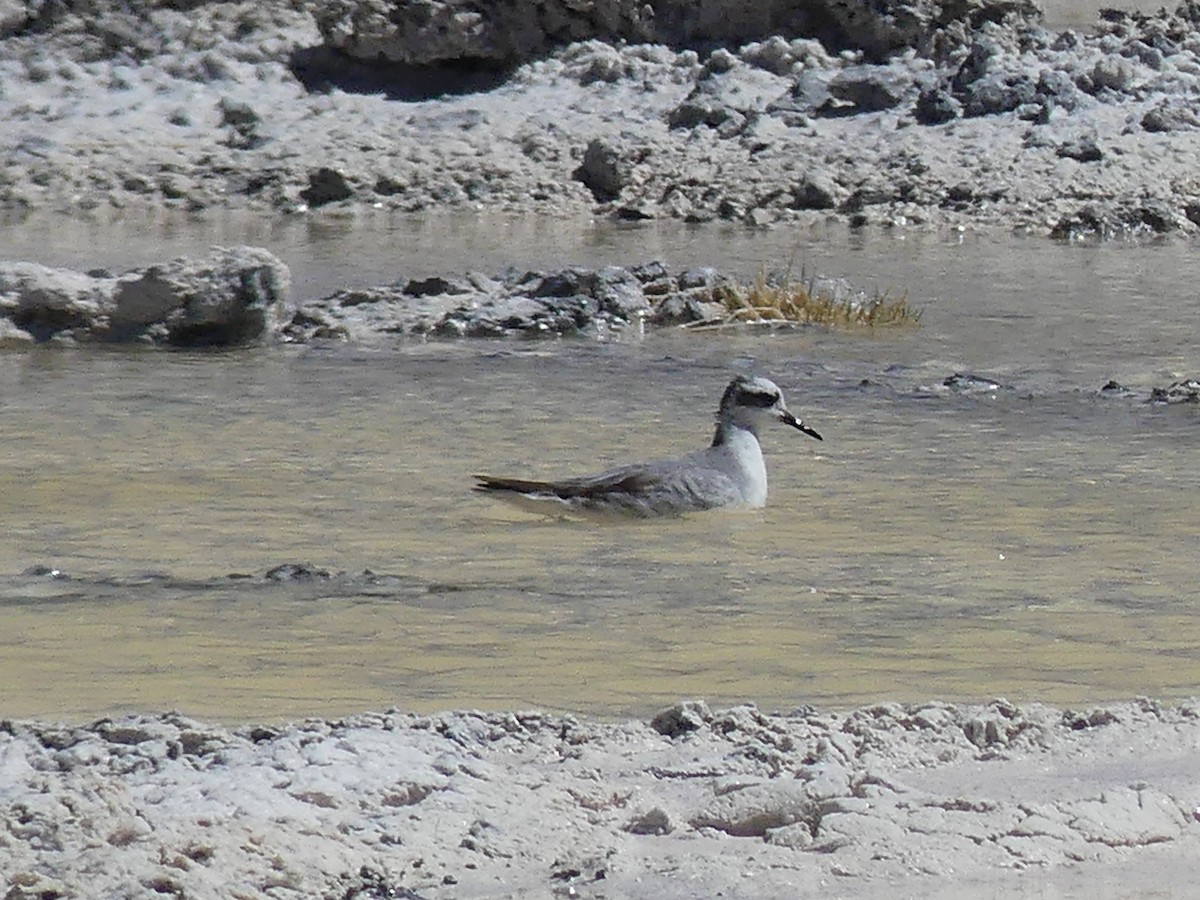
x: 709, y: 478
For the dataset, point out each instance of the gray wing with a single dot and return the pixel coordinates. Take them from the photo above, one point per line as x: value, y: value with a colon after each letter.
x: 660, y: 488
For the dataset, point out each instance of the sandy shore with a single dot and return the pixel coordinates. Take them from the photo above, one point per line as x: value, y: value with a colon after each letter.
x: 932, y: 800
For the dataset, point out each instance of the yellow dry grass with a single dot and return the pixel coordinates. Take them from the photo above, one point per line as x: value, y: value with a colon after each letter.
x: 797, y: 303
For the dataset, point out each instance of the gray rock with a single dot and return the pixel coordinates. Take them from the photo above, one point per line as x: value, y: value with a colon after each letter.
x: 754, y: 810
x: 998, y: 93
x: 620, y: 294
x: 244, y: 124
x: 326, y: 185
x: 816, y: 191
x: 13, y: 337
x: 1083, y: 149
x: 683, y: 717
x: 780, y: 56
x: 703, y: 108
x: 1171, y: 114
x: 654, y: 821
x: 232, y: 296
x: 518, y: 315
x: 935, y: 106
x: 1112, y: 73
x: 968, y: 383
x: 872, y: 88
x: 808, y: 94
x: 1057, y: 87
x: 796, y: 837
x: 997, y: 725
x: 608, y: 168
x: 43, y: 302
x: 1127, y: 818
x: 1186, y: 391
x: 569, y: 301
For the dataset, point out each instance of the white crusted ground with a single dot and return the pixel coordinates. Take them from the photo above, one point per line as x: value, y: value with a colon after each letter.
x: 932, y: 800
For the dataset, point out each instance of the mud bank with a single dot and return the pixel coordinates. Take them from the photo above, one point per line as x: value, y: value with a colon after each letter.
x: 872, y: 114
x: 929, y: 800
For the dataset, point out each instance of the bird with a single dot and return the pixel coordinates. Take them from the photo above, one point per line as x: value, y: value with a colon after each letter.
x: 728, y: 473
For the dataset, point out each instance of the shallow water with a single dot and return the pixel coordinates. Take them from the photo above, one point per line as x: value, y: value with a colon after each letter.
x: 1034, y: 542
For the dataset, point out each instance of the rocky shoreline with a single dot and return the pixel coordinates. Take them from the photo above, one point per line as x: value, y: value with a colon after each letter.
x: 887, y: 800
x: 895, y: 114
x: 242, y: 295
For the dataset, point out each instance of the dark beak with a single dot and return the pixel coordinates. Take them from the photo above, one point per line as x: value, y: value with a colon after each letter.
x: 789, y: 419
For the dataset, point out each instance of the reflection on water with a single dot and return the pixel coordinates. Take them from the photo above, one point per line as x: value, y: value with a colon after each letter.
x: 1038, y: 543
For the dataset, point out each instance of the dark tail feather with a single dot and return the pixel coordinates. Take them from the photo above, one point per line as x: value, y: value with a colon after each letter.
x: 517, y: 485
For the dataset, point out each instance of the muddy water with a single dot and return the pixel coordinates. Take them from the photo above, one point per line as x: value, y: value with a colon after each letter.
x: 1037, y: 542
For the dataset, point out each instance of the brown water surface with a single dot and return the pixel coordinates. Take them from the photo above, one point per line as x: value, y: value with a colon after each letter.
x: 1037, y: 542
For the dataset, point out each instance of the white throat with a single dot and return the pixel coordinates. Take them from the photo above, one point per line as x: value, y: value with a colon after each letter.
x: 742, y: 445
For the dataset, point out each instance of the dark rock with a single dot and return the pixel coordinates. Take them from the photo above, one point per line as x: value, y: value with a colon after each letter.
x: 960, y: 193
x: 43, y: 571
x: 1097, y: 718
x: 436, y: 285
x: 1086, y: 220
x: 435, y: 31
x: 1112, y: 73
x: 297, y: 572
x: 998, y: 93
x: 619, y: 293
x: 567, y: 283
x: 520, y: 315
x: 965, y: 383
x: 703, y: 277
x: 243, y: 123
x: 700, y: 109
x: 654, y: 821
x: 1187, y: 391
x: 1083, y: 149
x: 1114, y: 388
x: 984, y: 58
x: 1058, y: 88
x: 1171, y: 114
x: 815, y: 191
x: 682, y: 718
x: 868, y: 195
x: 649, y: 272
x: 326, y: 185
x: 871, y: 88
x: 232, y: 296
x: 608, y: 168
x: 936, y: 106
x: 1157, y: 215
x: 682, y: 309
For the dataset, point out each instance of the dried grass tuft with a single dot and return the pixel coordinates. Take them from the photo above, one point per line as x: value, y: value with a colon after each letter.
x: 801, y: 303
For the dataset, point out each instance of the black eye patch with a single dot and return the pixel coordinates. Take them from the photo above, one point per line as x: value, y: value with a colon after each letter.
x: 761, y: 401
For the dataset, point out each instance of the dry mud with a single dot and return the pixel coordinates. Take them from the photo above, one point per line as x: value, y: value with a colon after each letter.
x: 893, y: 114
x: 884, y: 801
